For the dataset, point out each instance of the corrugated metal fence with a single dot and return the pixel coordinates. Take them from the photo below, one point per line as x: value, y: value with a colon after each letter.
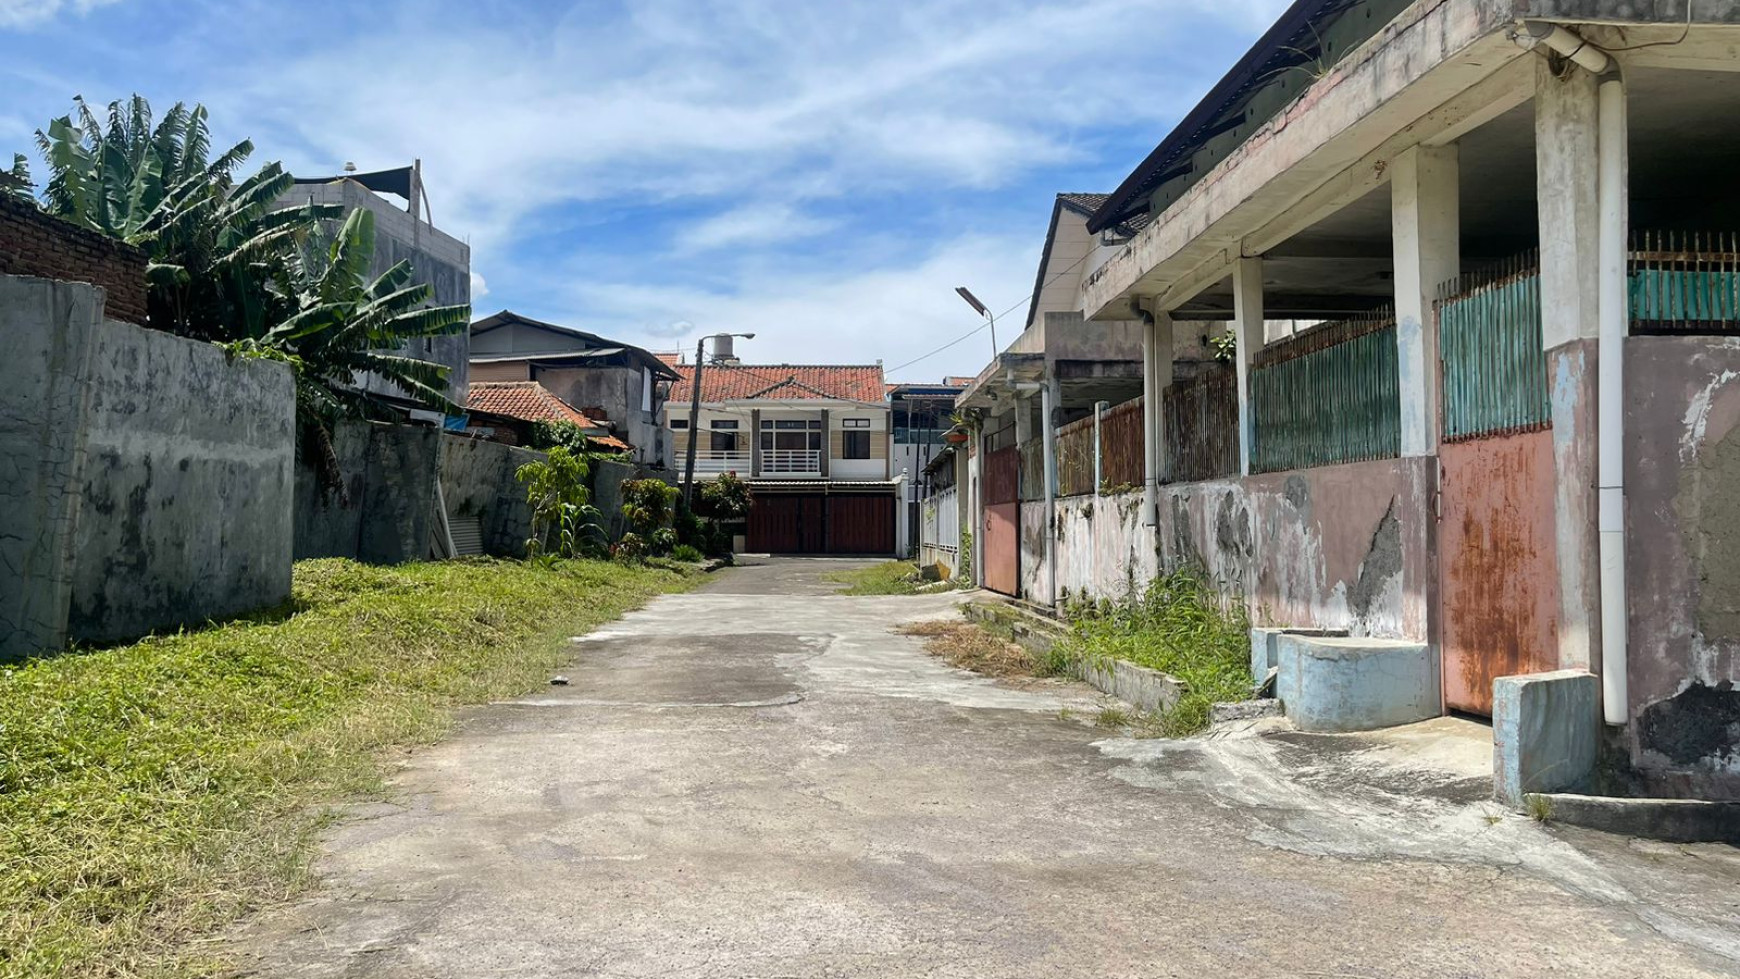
x: 1327, y: 395
x: 1685, y: 282
x: 1121, y: 454
x: 1494, y: 367
x: 1202, y: 426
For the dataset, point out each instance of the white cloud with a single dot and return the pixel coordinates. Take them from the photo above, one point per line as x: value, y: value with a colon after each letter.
x: 29, y: 13
x: 721, y: 100
x: 479, y: 288
x: 751, y: 224
x: 900, y: 312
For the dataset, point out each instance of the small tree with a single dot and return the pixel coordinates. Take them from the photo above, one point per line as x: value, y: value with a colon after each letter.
x: 725, y: 498
x: 647, y: 505
x: 564, y: 521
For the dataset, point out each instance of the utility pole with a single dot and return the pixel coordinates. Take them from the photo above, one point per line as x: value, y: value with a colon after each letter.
x: 694, y: 421
x: 695, y: 415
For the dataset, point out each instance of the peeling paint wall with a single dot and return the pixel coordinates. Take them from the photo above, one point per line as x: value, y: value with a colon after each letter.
x: 1334, y: 547
x: 1104, y: 549
x: 386, y: 511
x: 1683, y: 561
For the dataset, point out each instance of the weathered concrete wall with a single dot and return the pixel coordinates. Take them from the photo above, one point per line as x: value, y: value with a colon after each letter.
x: 385, y: 514
x: 187, y: 485
x: 1104, y: 549
x: 1341, y: 546
x: 50, y: 331
x: 1683, y: 561
x: 478, y: 480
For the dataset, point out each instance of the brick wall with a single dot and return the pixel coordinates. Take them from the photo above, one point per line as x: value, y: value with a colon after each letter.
x: 33, y: 243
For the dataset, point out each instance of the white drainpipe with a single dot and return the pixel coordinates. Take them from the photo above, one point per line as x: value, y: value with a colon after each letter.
x: 1093, y: 543
x: 1613, y: 315
x: 1047, y: 405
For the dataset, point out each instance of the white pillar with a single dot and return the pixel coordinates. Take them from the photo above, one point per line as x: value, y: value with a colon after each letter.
x: 1426, y: 235
x: 1048, y: 401
x: 1615, y: 318
x: 1153, y: 436
x: 1247, y: 327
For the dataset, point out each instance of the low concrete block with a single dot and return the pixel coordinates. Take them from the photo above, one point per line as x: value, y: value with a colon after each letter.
x: 1341, y: 683
x: 1545, y: 732
x: 1669, y: 820
x: 1137, y: 685
x: 1266, y: 650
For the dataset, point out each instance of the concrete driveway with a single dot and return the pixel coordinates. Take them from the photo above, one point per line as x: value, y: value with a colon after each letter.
x: 759, y: 779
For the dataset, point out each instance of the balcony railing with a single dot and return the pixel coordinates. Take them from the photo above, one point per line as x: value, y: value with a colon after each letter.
x: 791, y: 462
x: 712, y: 463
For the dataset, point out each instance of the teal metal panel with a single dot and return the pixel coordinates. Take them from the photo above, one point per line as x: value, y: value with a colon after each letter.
x: 1339, y: 402
x: 1494, y: 367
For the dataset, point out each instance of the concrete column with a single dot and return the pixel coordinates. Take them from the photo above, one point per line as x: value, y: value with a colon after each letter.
x: 754, y: 442
x: 1153, y: 436
x: 1426, y: 235
x: 1161, y: 379
x: 1566, y: 183
x: 1247, y: 327
x: 827, y: 443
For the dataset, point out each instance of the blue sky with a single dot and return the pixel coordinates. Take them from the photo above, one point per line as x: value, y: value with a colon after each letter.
x: 820, y: 173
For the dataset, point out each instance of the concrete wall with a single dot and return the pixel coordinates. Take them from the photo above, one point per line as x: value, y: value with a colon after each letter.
x: 146, y: 477
x: 44, y: 396
x: 1342, y: 546
x: 384, y: 514
x: 622, y: 392
x: 1104, y: 549
x: 478, y: 480
x: 187, y: 484
x: 1683, y: 561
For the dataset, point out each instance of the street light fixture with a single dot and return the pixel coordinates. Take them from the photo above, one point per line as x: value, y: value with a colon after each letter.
x: 981, y: 309
x: 695, y: 413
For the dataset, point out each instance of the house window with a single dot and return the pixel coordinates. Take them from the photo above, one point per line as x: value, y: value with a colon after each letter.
x: 725, y: 423
x: 724, y: 441
x: 679, y: 423
x: 791, y: 440
x: 791, y: 424
x: 855, y: 423
x: 854, y: 445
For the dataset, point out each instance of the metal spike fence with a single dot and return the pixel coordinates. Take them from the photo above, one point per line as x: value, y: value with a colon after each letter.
x: 1494, y: 367
x: 1685, y: 282
x: 1328, y: 395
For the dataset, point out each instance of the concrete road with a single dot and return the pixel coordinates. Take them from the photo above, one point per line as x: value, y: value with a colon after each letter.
x: 759, y: 780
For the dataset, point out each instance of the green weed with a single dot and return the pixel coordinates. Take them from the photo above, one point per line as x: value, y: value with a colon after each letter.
x: 152, y: 793
x: 887, y: 578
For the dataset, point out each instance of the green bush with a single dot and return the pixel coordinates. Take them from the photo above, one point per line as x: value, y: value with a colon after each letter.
x: 1181, y: 626
x: 685, y: 552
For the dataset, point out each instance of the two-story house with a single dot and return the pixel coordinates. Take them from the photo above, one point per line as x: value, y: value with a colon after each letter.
x: 606, y: 380
x: 811, y: 440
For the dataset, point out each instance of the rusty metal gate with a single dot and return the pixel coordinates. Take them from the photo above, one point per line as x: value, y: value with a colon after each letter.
x: 1498, y: 571
x: 1001, y: 532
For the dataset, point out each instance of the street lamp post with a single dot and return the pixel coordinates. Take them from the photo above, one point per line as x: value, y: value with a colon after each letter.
x: 695, y: 415
x: 980, y: 308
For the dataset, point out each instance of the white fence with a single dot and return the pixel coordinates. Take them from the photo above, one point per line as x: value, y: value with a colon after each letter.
x: 940, y: 529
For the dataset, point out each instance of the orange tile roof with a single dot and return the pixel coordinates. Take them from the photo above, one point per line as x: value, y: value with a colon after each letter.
x: 785, y: 382
x: 525, y: 400
x: 670, y: 358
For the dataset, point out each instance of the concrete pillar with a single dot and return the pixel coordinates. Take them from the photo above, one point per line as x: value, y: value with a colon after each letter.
x: 1566, y: 188
x: 827, y: 443
x: 754, y: 442
x: 1247, y: 327
x: 1426, y: 235
x: 1153, y: 436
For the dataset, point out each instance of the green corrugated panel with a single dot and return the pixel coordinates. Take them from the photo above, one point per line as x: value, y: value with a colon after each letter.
x: 1339, y: 404
x: 1688, y: 296
x: 1495, y: 370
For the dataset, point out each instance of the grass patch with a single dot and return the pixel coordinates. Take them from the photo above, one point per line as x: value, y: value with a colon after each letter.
x: 966, y: 646
x: 887, y: 578
x: 152, y: 793
x: 1179, y: 627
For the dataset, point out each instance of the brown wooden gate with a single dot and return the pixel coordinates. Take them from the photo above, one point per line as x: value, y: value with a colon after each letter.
x: 813, y: 523
x: 1001, y: 531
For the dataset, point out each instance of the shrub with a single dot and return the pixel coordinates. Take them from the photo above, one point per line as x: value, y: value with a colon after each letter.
x: 725, y: 498
x: 684, y: 552
x: 564, y: 521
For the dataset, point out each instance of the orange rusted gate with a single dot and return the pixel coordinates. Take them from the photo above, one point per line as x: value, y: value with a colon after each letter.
x: 1498, y: 572
x: 1001, y: 532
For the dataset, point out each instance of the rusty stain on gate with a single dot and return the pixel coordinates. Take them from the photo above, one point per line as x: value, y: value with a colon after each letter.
x: 1001, y: 533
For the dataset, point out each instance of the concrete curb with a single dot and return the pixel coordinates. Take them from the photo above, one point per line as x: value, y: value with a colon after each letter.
x: 1141, y: 687
x: 1668, y: 820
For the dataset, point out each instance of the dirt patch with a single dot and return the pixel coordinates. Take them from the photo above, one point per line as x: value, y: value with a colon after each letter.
x: 966, y: 646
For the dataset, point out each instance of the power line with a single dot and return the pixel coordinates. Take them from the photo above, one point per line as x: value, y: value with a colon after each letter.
x: 980, y: 329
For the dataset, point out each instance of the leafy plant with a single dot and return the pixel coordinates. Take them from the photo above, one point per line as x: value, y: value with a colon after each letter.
x: 345, y: 327
x: 1224, y: 346
x: 964, y: 557
x: 685, y: 552
x: 647, y: 505
x: 725, y: 498
x: 1181, y: 626
x: 16, y: 181
x: 213, y: 243
x: 564, y: 521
